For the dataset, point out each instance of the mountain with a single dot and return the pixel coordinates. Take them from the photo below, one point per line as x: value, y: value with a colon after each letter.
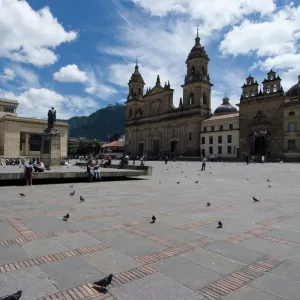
x: 100, y: 123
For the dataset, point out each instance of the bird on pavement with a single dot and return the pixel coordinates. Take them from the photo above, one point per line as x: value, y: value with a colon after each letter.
x: 196, y: 181
x: 103, y: 283
x: 22, y: 195
x: 71, y: 186
x: 220, y: 224
x: 82, y: 199
x: 269, y: 185
x: 66, y: 217
x: 209, y: 172
x: 72, y: 194
x: 178, y: 182
x: 268, y: 180
x: 208, y: 204
x: 153, y: 219
x: 255, y: 199
x: 14, y: 296
x: 159, y: 182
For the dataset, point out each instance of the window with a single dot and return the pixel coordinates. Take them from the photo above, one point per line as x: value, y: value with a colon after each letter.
x: 268, y: 89
x: 211, y: 140
x: 204, y: 129
x: 275, y: 88
x: 210, y: 150
x: 253, y: 93
x: 212, y: 128
x: 271, y: 77
x: 9, y: 109
x: 130, y: 113
x: 220, y: 139
x: 193, y: 70
x: 220, y: 150
x: 247, y: 94
x: 203, y: 140
x: 250, y: 82
x: 229, y: 139
x: 131, y: 91
x: 140, y: 91
x: 190, y: 136
x: 204, y: 98
x: 291, y: 145
x: 230, y: 126
x: 291, y: 127
x: 229, y: 149
x: 291, y: 113
x: 221, y: 127
x: 191, y: 99
x: 35, y: 142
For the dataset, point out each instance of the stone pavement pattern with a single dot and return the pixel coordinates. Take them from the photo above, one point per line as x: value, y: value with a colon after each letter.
x: 183, y: 256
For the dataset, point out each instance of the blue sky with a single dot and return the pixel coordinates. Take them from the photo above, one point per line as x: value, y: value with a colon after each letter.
x: 78, y: 55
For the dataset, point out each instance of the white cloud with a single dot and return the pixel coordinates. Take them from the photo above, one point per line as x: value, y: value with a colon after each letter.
x: 35, y: 103
x: 30, y: 36
x: 96, y: 88
x: 70, y: 73
x: 7, y: 75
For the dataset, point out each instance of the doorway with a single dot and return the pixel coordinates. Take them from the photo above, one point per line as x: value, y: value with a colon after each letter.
x: 141, y: 149
x: 155, y: 150
x: 260, y: 145
x: 174, y: 145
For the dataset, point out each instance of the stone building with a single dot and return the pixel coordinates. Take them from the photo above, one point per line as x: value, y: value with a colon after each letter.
x: 22, y: 136
x: 220, y: 133
x: 154, y: 126
x: 292, y: 122
x: 261, y: 117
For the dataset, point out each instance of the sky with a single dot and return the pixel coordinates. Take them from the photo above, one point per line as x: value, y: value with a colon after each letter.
x: 78, y: 55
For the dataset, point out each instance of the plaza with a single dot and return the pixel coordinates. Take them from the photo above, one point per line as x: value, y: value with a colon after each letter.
x: 256, y: 255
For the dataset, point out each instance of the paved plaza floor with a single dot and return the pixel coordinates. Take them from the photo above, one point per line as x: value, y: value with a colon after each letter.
x: 183, y: 256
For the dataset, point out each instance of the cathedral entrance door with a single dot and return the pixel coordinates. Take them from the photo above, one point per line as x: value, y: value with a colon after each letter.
x: 174, y: 145
x: 155, y: 151
x: 260, y: 145
x: 141, y: 149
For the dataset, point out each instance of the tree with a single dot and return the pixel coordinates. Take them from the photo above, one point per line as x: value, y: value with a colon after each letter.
x: 113, y: 136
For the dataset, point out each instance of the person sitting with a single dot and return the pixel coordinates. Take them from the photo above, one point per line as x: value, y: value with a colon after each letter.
x: 97, y: 171
x: 90, y: 170
x: 108, y: 162
x: 38, y: 166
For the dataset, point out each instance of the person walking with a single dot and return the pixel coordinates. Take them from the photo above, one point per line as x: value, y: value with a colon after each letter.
x: 203, y: 164
x: 166, y: 159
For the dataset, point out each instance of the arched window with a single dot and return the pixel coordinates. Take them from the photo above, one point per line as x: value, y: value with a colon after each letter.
x: 253, y: 93
x: 204, y: 98
x: 193, y: 70
x: 275, y: 88
x: 247, y: 94
x: 268, y: 89
x: 140, y: 91
x: 203, y: 70
x: 191, y: 99
x: 130, y: 113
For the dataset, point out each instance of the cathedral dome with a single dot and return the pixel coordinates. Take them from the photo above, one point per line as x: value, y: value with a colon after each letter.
x: 198, y: 50
x: 136, y: 76
x: 294, y: 91
x: 226, y: 107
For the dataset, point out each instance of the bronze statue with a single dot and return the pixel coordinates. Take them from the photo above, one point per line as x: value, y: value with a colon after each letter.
x: 51, y: 118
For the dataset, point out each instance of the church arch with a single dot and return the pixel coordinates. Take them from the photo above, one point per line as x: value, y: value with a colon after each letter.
x: 204, y: 98
x: 191, y: 99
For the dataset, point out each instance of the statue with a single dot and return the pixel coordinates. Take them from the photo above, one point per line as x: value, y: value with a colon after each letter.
x: 51, y: 118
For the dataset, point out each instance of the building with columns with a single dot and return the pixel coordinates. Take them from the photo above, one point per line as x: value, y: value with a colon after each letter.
x: 154, y: 126
x: 22, y: 136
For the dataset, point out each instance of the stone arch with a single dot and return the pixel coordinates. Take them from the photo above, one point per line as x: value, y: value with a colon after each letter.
x: 193, y: 70
x: 191, y: 99
x: 204, y: 98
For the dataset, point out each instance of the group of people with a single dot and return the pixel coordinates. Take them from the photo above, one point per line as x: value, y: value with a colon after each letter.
x: 93, y: 170
x: 35, y: 165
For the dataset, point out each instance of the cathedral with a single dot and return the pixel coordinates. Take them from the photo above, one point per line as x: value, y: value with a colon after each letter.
x: 154, y: 126
x: 267, y: 123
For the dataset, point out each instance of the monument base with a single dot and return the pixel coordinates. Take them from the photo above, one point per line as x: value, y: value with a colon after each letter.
x: 50, y: 152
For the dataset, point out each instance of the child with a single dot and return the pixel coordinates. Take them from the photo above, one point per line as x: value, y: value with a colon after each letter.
x: 28, y: 173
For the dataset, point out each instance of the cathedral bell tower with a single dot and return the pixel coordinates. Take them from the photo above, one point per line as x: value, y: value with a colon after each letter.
x: 197, y: 85
x: 134, y: 104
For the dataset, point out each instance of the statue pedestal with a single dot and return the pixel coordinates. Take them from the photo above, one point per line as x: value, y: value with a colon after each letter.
x: 50, y: 151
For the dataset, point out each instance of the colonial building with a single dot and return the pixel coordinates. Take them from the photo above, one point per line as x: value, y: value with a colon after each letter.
x: 220, y: 133
x: 261, y: 117
x: 154, y: 126
x: 22, y: 136
x: 292, y: 122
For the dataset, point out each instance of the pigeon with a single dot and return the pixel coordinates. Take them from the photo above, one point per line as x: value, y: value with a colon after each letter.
x: 182, y: 172
x: 269, y: 185
x: 71, y: 186
x: 104, y: 282
x: 66, y: 217
x: 255, y: 200
x: 220, y: 224
x: 247, y: 178
x: 196, y: 181
x: 185, y: 176
x: 82, y: 199
x: 178, y: 182
x: 208, y: 204
x: 14, y: 296
x: 22, y: 195
x: 153, y: 219
x: 72, y: 194
x: 159, y: 182
x: 268, y: 180
x: 209, y: 172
